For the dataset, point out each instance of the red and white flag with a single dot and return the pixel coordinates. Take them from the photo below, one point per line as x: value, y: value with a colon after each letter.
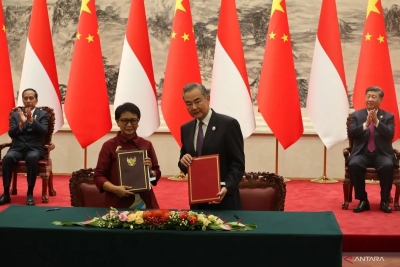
x: 7, y: 101
x: 182, y: 68
x: 327, y: 102
x: 86, y: 104
x: 136, y: 77
x: 39, y: 69
x: 278, y: 97
x: 229, y: 76
x: 374, y: 67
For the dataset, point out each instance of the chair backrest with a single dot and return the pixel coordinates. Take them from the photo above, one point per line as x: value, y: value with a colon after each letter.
x: 347, y: 128
x: 50, y: 128
x: 83, y: 191
x: 262, y: 191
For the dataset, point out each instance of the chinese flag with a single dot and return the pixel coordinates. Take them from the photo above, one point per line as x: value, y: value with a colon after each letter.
x: 7, y: 101
x: 86, y: 103
x: 182, y: 68
x: 278, y: 97
x: 374, y: 64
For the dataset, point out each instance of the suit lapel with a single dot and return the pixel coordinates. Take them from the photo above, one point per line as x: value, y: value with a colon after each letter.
x: 191, y: 139
x: 212, y: 125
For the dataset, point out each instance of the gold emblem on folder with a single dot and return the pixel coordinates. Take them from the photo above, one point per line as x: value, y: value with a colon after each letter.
x: 131, y: 161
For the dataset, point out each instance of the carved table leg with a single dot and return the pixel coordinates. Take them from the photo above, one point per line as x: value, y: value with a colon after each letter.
x: 45, y: 197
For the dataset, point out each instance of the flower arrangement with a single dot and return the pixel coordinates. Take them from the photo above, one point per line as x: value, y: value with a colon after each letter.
x: 160, y: 219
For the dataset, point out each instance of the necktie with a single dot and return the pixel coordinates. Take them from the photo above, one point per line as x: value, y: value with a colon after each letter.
x: 371, y: 139
x: 200, y: 138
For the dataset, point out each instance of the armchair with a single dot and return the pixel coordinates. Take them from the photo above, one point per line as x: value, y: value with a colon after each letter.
x: 262, y: 191
x: 370, y: 174
x: 45, y: 170
x: 83, y: 191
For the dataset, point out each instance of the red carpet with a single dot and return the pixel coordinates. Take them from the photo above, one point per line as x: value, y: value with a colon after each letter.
x: 372, y: 231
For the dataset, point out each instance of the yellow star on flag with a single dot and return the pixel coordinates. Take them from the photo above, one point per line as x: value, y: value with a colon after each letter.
x: 179, y: 6
x: 78, y: 36
x: 90, y: 38
x: 4, y: 28
x: 173, y: 34
x: 98, y: 31
x: 185, y: 36
x: 84, y: 6
x: 276, y: 5
x: 372, y: 7
x: 284, y: 38
x: 272, y: 35
x: 368, y: 37
x: 381, y: 39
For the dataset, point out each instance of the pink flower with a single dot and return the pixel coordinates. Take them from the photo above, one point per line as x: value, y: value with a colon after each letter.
x: 123, y: 216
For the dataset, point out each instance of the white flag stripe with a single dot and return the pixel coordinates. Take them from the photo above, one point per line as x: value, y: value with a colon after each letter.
x: 35, y: 76
x: 327, y: 102
x: 134, y: 86
x: 229, y: 94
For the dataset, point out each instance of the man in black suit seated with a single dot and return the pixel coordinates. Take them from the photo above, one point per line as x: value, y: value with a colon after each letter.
x: 372, y: 131
x: 28, y: 126
x: 220, y: 134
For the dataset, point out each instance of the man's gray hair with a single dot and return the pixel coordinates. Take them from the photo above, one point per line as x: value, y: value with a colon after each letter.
x: 375, y: 89
x: 190, y: 86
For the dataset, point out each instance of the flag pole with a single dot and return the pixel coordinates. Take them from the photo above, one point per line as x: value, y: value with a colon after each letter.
x: 277, y: 160
x: 85, y: 158
x: 324, y: 179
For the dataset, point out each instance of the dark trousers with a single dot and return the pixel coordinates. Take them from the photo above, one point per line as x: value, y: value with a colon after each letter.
x: 358, y: 166
x: 31, y: 158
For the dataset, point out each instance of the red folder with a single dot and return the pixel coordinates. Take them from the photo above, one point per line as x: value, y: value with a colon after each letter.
x: 204, y: 180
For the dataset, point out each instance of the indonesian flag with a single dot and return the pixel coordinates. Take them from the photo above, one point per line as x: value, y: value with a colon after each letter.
x: 7, y: 101
x: 86, y: 103
x: 278, y: 97
x: 327, y: 102
x: 136, y: 77
x: 182, y: 68
x: 374, y: 66
x: 39, y: 70
x: 229, y: 76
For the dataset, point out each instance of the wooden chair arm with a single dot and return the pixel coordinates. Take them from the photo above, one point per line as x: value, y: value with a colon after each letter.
x: 50, y: 146
x: 4, y: 145
x: 397, y: 155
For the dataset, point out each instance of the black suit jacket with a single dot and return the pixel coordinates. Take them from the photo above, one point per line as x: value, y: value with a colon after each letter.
x: 31, y: 135
x: 223, y: 137
x: 383, y: 134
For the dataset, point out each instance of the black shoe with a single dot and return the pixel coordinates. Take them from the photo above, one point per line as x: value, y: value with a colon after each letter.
x: 385, y: 207
x: 5, y: 199
x: 363, y: 206
x: 29, y: 200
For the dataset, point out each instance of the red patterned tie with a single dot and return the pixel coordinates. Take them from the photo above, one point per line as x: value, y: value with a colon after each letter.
x: 371, y: 139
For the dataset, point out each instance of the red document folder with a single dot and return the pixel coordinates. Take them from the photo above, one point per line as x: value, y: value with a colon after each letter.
x: 204, y: 180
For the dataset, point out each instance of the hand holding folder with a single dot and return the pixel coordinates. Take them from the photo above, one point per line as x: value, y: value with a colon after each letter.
x: 204, y: 180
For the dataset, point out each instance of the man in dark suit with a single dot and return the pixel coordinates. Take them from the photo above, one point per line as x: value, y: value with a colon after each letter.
x: 372, y: 131
x: 28, y: 126
x: 219, y: 134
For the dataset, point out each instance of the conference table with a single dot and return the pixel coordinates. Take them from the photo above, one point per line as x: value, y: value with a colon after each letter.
x: 28, y: 237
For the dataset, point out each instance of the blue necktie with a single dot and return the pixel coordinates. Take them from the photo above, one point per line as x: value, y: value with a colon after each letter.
x: 200, y: 138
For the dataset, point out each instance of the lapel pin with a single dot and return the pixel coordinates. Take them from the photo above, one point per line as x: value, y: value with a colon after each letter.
x: 381, y: 116
x: 118, y: 148
x: 213, y: 128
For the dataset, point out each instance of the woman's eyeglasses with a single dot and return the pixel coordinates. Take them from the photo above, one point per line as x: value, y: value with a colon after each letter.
x: 126, y: 121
